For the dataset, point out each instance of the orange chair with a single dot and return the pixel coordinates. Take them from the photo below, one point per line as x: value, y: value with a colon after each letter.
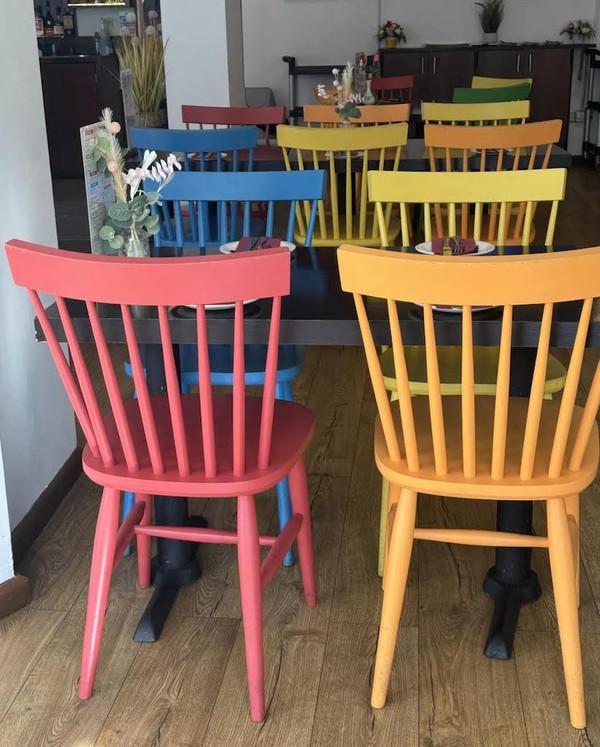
x: 327, y: 116
x: 486, y: 448
x: 501, y: 148
x: 394, y: 88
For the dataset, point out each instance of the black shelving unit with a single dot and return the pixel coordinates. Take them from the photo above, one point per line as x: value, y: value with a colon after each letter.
x: 591, y: 132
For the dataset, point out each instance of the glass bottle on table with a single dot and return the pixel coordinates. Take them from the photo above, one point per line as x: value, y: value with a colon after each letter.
x: 39, y: 21
x: 48, y: 21
x: 68, y: 20
x: 58, y: 25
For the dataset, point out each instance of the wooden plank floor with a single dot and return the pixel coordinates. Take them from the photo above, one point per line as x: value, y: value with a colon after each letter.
x: 189, y: 688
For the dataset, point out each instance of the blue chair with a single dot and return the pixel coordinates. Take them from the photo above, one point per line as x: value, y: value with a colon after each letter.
x: 302, y: 190
x: 204, y: 151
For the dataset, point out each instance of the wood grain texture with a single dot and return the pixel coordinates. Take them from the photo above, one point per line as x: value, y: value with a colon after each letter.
x: 171, y: 688
x: 344, y: 717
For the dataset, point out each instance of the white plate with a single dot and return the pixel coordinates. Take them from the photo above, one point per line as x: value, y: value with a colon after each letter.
x: 483, y: 247
x: 233, y: 245
x: 220, y: 306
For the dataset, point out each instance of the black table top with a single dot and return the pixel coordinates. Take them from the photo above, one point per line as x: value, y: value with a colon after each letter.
x: 318, y: 312
x: 415, y: 157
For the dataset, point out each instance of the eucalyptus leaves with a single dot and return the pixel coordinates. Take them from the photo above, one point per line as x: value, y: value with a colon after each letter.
x: 130, y: 219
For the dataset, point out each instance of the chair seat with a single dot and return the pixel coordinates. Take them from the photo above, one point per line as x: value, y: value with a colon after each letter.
x: 353, y: 237
x: 510, y: 487
x: 485, y: 359
x: 293, y: 426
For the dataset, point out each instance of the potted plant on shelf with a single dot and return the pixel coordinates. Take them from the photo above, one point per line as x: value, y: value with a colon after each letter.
x: 390, y: 34
x: 130, y: 221
x: 144, y: 56
x: 491, y: 15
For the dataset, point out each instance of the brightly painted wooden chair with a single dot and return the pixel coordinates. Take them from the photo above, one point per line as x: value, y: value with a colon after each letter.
x: 394, y: 88
x: 275, y: 189
x: 264, y: 117
x: 198, y: 445
x: 361, y: 149
x: 505, y: 112
x: 204, y: 151
x: 327, y: 116
x: 519, y: 92
x: 487, y: 448
x: 500, y: 147
x: 481, y: 81
x: 211, y: 117
x: 502, y: 187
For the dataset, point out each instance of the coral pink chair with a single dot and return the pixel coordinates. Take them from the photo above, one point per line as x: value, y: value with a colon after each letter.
x: 265, y: 117
x: 197, y: 445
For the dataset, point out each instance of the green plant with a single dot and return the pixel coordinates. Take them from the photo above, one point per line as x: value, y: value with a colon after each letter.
x: 491, y: 15
x: 145, y: 57
x: 130, y: 216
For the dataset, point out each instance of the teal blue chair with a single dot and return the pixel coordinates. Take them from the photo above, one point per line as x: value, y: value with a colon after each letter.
x: 270, y: 187
x: 219, y: 151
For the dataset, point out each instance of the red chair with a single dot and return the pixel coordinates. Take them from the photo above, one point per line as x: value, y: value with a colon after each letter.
x: 394, y: 89
x: 196, y: 445
x: 264, y: 117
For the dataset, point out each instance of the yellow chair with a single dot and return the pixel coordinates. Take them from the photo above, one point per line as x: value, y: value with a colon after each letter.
x: 465, y: 188
x: 486, y: 448
x: 347, y: 154
x: 369, y: 115
x: 502, y: 112
x: 516, y: 147
x: 481, y: 81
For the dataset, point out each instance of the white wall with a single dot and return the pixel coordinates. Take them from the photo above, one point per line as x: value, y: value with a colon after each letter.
x: 37, y: 431
x: 6, y: 558
x: 431, y: 21
x: 201, y: 67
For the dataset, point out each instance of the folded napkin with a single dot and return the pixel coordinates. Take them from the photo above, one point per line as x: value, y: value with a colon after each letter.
x: 249, y: 243
x: 467, y: 246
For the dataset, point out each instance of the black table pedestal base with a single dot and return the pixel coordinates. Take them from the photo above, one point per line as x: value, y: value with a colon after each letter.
x: 508, y: 601
x: 174, y: 567
x: 511, y: 582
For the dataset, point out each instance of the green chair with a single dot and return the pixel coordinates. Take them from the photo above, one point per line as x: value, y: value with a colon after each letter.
x: 519, y: 92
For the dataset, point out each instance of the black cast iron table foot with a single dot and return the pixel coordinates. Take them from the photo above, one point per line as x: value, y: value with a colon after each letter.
x: 173, y: 567
x: 511, y: 583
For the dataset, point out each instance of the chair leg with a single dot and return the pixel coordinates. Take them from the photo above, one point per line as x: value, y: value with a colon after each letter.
x: 103, y: 558
x: 572, y: 506
x: 393, y: 496
x: 301, y: 505
x: 250, y: 590
x: 385, y: 486
x: 284, y: 508
x: 128, y: 501
x: 563, y: 581
x: 288, y: 394
x: 144, y: 542
x: 396, y: 572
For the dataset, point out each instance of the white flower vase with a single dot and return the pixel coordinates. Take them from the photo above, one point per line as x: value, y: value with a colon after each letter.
x: 368, y: 98
x: 490, y: 38
x: 137, y: 244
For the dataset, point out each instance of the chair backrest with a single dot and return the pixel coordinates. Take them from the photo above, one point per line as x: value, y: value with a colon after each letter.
x: 505, y: 112
x: 306, y: 148
x: 519, y: 92
x: 480, y: 281
x: 264, y: 117
x: 369, y: 115
x: 451, y: 147
x: 214, y: 149
x: 232, y: 194
x: 481, y: 81
x: 394, y: 88
x: 457, y: 192
x: 157, y: 284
